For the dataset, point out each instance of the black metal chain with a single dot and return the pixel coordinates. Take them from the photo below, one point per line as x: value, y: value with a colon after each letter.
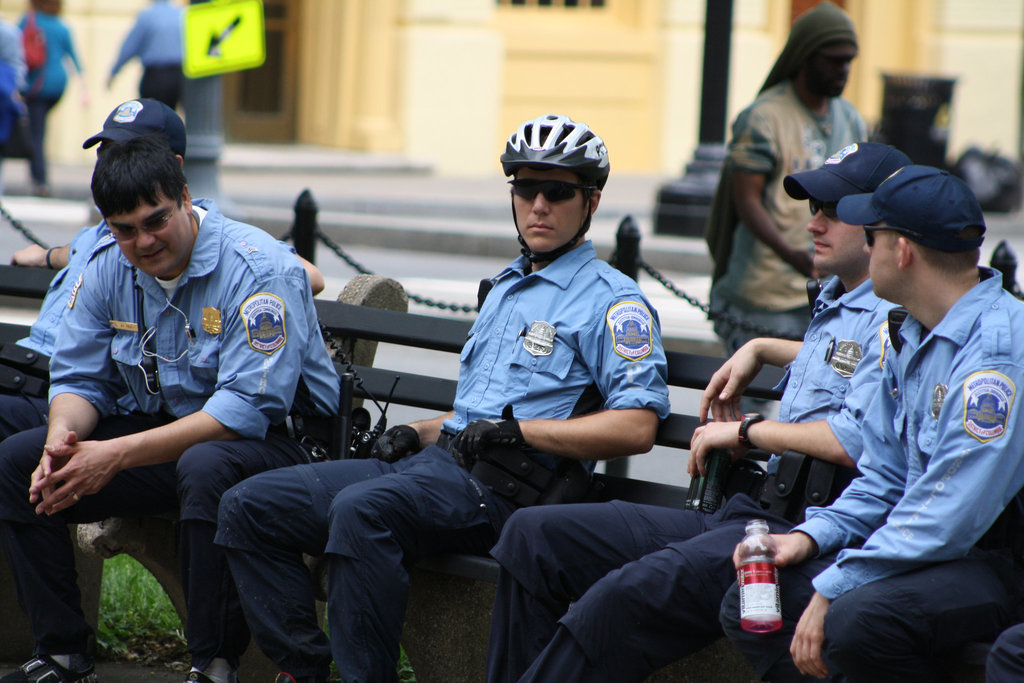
x: 712, y: 314
x: 359, y: 268
x: 20, y: 227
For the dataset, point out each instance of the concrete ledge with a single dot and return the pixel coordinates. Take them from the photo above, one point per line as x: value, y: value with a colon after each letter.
x: 448, y: 620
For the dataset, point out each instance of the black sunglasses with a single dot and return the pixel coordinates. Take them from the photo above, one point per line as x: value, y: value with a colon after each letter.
x: 869, y: 234
x: 553, y: 190
x: 827, y: 208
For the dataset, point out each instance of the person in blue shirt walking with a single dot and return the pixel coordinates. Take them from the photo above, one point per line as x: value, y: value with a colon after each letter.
x: 203, y: 330
x: 156, y: 40
x: 44, y: 86
x: 900, y: 571
x: 563, y: 365
x: 645, y: 582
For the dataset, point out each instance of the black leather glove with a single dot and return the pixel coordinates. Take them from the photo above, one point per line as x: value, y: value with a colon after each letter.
x: 479, y: 435
x: 396, y: 443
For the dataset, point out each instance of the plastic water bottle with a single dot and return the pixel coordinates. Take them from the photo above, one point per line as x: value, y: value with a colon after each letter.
x: 758, y: 577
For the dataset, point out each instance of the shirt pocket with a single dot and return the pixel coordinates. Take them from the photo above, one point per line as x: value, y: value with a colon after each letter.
x: 542, y: 373
x: 126, y: 352
x: 204, y: 360
x: 467, y: 350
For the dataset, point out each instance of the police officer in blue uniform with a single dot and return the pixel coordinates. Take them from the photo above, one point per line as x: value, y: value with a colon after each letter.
x: 560, y: 335
x: 895, y: 575
x: 645, y: 582
x: 205, y: 329
x: 23, y: 401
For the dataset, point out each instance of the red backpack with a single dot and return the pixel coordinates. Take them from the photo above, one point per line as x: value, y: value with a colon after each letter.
x: 34, y: 42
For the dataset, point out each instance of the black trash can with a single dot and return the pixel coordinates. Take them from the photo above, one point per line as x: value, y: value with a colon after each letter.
x: 915, y: 116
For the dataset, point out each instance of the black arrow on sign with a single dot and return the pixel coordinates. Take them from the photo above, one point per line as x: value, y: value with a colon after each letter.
x: 215, y: 41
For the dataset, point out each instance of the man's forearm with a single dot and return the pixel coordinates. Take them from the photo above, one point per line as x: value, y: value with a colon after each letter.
x: 598, y: 436
x: 167, y: 442
x: 71, y: 413
x: 813, y: 438
x: 777, y: 352
x: 430, y: 430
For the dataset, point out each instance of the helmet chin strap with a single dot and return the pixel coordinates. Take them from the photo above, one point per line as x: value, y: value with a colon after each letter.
x: 547, y: 256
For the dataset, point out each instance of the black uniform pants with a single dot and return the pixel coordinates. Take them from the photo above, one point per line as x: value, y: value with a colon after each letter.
x: 40, y: 551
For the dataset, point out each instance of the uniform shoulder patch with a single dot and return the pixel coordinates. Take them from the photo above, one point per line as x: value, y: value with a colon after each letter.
x: 988, y: 399
x: 630, y: 323
x: 263, y: 315
x: 884, y: 343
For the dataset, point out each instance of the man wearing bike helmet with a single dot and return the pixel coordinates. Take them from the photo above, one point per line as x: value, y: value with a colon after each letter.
x: 563, y: 367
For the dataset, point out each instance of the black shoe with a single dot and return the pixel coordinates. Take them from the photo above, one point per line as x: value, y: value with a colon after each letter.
x: 42, y: 669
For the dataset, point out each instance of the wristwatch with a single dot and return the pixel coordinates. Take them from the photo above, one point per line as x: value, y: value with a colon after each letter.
x: 748, y: 420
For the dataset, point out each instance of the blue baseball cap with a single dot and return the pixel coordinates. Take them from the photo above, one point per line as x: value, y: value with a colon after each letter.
x: 136, y: 118
x: 854, y: 169
x: 929, y: 206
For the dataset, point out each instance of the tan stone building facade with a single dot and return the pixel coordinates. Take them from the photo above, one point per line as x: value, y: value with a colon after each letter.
x: 444, y: 81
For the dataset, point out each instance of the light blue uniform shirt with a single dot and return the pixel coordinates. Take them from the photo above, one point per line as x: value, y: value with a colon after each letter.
x: 155, y: 38
x: 236, y: 338
x: 942, y: 446
x: 846, y: 333
x: 86, y: 243
x: 605, y: 332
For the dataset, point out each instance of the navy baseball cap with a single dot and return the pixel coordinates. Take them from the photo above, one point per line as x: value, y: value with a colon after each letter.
x: 854, y: 169
x: 929, y: 206
x: 136, y: 118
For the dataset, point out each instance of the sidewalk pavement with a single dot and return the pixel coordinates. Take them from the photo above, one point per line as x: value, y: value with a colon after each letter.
x: 392, y: 204
x: 385, y: 200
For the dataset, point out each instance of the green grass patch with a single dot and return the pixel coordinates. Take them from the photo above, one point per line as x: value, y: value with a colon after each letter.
x: 138, y: 622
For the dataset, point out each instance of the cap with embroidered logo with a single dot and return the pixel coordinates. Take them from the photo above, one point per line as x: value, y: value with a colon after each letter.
x: 854, y: 169
x: 136, y: 118
x: 927, y: 205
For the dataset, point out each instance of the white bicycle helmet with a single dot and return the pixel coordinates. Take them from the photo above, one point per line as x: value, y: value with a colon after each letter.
x: 553, y: 141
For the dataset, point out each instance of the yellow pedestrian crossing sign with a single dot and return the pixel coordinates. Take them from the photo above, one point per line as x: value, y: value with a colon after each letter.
x: 223, y: 36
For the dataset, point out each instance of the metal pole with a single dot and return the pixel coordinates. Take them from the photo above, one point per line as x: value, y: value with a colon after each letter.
x: 304, y: 227
x: 715, y: 76
x: 683, y: 205
x: 627, y: 248
x: 202, y: 101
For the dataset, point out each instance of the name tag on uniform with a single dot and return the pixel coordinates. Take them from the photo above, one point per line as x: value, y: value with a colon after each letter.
x: 124, y: 326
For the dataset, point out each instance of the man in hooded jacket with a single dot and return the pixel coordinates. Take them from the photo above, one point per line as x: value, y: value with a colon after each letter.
x: 755, y: 230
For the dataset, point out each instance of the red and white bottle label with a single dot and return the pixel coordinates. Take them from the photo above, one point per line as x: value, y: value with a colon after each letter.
x: 760, y: 604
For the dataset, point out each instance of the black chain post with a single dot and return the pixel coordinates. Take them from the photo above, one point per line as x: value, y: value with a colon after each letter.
x: 304, y: 229
x: 626, y: 258
x: 1005, y: 261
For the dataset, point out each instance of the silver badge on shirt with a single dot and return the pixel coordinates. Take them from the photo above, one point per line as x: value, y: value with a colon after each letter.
x: 938, y: 398
x: 844, y: 356
x: 540, y: 338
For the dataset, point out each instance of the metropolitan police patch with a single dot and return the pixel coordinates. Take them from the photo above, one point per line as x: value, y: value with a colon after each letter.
x: 988, y: 398
x: 263, y: 315
x: 630, y: 323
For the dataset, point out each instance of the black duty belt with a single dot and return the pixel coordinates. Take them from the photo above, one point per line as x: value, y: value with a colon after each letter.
x: 24, y: 371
